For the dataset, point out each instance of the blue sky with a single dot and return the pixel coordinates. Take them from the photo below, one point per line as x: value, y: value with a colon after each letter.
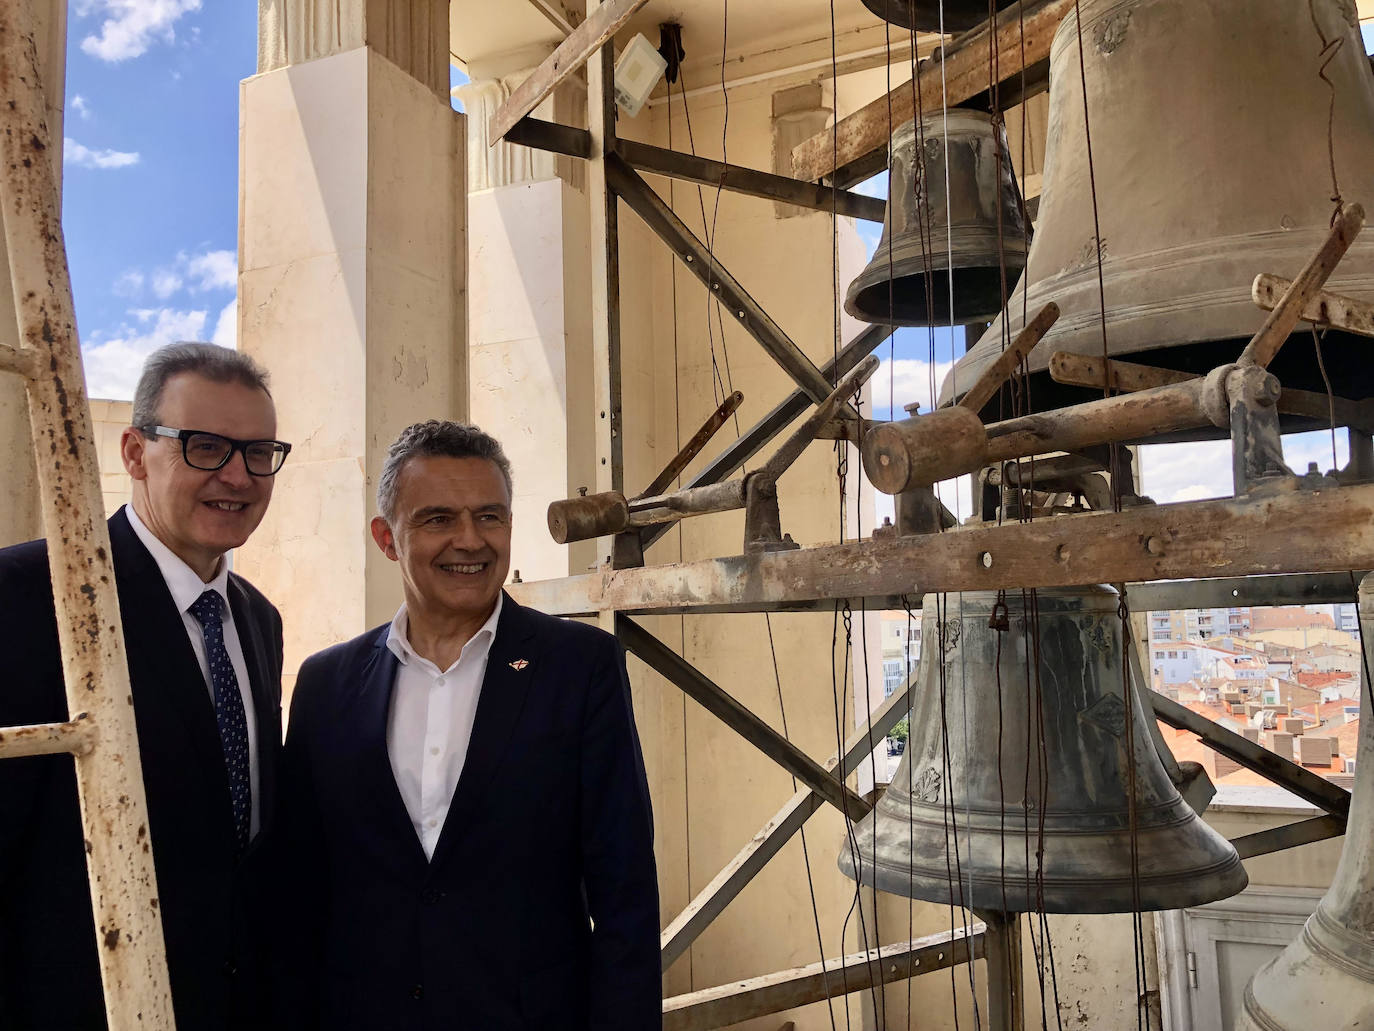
x: 150, y: 191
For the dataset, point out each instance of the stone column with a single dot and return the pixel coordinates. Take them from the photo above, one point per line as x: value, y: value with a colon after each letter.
x: 20, y: 516
x: 529, y: 327
x: 352, y: 263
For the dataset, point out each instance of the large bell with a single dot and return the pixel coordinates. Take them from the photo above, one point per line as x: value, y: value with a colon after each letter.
x: 928, y: 230
x: 962, y: 821
x: 1326, y: 977
x: 925, y: 15
x: 1209, y: 143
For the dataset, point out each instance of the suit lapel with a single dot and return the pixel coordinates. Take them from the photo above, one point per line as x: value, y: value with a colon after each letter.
x: 266, y: 694
x: 512, y: 665
x: 163, y: 669
x: 378, y: 681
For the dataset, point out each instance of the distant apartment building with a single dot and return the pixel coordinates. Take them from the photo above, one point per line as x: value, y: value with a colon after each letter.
x: 1199, y: 624
x: 1178, y: 662
x: 901, y: 648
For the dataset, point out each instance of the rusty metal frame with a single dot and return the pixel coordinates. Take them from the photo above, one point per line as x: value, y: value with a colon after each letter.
x: 1246, y: 545
x: 102, y: 734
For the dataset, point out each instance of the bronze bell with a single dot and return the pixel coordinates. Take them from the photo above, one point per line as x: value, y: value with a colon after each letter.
x: 924, y: 15
x: 959, y: 826
x: 1326, y: 977
x: 1210, y: 151
x: 926, y: 226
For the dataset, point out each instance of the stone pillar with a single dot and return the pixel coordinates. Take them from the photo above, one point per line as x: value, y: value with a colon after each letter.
x: 20, y: 516
x: 529, y: 341
x: 352, y: 267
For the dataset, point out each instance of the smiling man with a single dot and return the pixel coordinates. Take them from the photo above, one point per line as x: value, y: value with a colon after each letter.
x: 205, y: 653
x: 466, y: 829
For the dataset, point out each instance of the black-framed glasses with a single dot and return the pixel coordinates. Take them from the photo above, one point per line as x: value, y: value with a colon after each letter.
x: 211, y: 451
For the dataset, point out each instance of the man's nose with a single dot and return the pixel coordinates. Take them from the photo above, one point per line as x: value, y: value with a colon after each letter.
x: 465, y: 535
x: 235, y: 471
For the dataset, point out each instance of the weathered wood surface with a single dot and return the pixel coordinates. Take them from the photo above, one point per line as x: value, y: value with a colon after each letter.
x: 114, y: 809
x: 964, y: 75
x: 711, y: 901
x: 1083, y: 370
x: 1233, y: 537
x: 77, y: 736
x: 601, y: 23
x: 800, y: 986
x: 1288, y: 309
x: 996, y: 374
x: 1324, y: 309
x: 1290, y: 835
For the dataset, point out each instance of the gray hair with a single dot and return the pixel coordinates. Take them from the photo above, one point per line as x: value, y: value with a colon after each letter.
x: 436, y: 439
x: 210, y: 361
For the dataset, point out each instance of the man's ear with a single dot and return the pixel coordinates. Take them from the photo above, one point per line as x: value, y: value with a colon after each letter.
x: 133, y: 450
x: 381, y: 533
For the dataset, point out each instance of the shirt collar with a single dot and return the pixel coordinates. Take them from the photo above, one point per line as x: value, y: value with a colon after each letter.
x: 182, y: 581
x: 398, y: 635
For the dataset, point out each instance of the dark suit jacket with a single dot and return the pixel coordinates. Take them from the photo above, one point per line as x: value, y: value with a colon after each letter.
x: 49, y: 976
x: 549, y: 829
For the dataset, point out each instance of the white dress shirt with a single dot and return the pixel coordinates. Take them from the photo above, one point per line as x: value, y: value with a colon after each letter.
x: 186, y: 586
x: 430, y: 723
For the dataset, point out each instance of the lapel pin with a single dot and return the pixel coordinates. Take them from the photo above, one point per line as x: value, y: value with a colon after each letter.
x: 519, y: 664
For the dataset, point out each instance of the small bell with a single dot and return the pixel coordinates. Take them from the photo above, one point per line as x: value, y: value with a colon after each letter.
x: 955, y: 228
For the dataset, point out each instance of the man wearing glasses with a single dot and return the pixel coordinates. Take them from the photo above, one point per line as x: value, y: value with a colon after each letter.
x: 205, y: 655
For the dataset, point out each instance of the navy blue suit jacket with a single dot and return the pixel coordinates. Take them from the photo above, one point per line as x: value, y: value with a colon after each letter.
x: 49, y: 973
x: 539, y: 908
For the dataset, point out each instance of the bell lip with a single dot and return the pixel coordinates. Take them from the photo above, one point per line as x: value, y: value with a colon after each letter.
x: 1180, y: 888
x: 1166, y: 319
x: 904, y: 12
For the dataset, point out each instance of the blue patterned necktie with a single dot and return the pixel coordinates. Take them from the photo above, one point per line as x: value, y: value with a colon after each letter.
x: 229, y: 714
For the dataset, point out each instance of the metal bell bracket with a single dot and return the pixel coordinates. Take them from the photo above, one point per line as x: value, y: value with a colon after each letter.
x: 762, y: 520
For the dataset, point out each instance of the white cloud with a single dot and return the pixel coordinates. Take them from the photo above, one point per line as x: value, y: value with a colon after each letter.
x: 131, y: 26
x: 112, y: 365
x: 80, y: 106
x: 129, y: 283
x: 1186, y: 472
x: 908, y: 380
x: 1193, y: 472
x: 81, y: 156
x: 166, y: 282
x: 227, y: 326
x: 213, y: 270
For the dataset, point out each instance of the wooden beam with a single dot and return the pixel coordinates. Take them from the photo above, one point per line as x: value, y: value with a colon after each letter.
x: 749, y: 181
x: 1085, y: 370
x: 1231, y: 537
x: 801, y: 986
x: 1254, y: 756
x: 1286, y: 589
x: 711, y: 901
x: 584, y: 41
x: 761, y: 434
x: 703, y: 264
x: 1006, y: 363
x: 21, y: 361
x: 1324, y: 309
x: 738, y: 717
x: 76, y: 737
x: 1287, y: 312
x: 964, y: 75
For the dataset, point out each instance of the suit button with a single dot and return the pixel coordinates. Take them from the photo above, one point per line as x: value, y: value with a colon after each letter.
x: 418, y: 992
x: 431, y: 896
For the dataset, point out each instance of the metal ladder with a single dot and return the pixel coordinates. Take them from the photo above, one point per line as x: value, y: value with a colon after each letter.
x: 102, y: 734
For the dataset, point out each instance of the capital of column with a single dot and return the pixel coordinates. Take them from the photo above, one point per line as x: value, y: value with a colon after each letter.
x: 412, y: 34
